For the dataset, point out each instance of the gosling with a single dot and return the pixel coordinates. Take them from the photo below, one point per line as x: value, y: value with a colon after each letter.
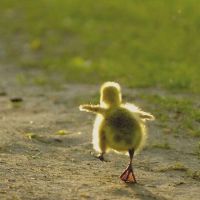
x: 119, y: 127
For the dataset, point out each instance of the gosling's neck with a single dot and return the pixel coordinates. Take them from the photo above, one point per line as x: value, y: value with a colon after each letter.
x: 110, y: 105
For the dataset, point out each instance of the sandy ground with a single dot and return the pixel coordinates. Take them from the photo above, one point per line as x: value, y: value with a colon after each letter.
x: 37, y: 163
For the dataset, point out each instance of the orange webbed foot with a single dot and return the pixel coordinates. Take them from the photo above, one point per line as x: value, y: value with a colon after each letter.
x: 128, y: 175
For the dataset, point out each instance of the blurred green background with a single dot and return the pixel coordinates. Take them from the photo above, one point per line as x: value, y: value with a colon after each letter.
x: 139, y: 43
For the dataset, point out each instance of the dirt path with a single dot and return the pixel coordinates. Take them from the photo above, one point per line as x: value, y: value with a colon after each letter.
x: 38, y: 163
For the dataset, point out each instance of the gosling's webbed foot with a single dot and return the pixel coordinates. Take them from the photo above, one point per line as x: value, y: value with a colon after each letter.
x: 128, y: 175
x: 101, y: 158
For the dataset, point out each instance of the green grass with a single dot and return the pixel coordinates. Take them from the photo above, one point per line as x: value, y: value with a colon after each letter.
x: 137, y: 43
x: 164, y: 145
x: 175, y: 115
x: 175, y: 166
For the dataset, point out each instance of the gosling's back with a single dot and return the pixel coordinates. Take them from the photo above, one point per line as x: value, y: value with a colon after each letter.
x: 122, y: 129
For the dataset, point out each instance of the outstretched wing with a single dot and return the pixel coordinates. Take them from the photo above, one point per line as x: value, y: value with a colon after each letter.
x: 137, y: 111
x: 92, y: 108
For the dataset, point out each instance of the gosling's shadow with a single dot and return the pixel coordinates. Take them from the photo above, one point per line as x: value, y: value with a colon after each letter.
x: 143, y: 193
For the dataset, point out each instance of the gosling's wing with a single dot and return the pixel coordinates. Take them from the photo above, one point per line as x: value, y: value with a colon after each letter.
x: 92, y: 108
x: 138, y: 112
x: 146, y: 116
x: 131, y: 107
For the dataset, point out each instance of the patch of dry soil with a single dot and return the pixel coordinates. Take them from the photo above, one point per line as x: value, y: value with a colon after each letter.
x: 36, y: 163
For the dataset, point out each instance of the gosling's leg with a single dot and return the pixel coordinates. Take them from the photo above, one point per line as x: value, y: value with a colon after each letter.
x: 102, y: 146
x: 128, y: 175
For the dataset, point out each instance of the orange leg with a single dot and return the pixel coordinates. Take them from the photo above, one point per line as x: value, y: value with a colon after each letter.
x: 128, y: 175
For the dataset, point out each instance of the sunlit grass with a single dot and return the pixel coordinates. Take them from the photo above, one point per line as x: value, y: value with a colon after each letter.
x: 137, y: 43
x: 164, y: 145
x: 175, y: 115
x: 178, y: 166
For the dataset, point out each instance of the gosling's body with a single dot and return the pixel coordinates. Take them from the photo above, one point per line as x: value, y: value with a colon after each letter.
x: 121, y: 130
x: 117, y: 126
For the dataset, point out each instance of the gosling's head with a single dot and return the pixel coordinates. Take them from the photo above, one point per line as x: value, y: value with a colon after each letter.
x: 110, y: 94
